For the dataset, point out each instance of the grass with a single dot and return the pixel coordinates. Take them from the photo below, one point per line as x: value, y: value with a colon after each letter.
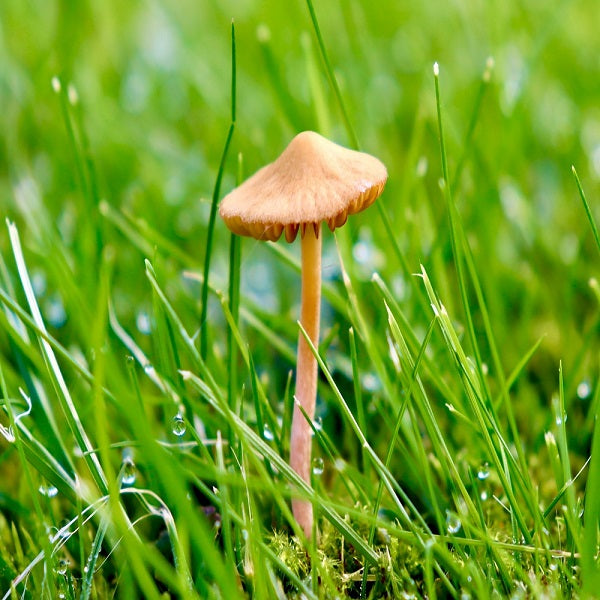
x: 147, y: 355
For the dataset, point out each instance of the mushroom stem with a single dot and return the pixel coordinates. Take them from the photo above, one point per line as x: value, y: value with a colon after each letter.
x: 306, y: 370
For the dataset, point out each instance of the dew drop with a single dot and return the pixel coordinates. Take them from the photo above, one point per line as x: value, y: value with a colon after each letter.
x: 268, y: 434
x: 142, y: 322
x: 484, y: 471
x: 318, y: 466
x: 149, y: 370
x: 584, y: 389
x: 62, y: 566
x: 453, y: 524
x: 128, y: 472
x: 178, y: 425
x: 484, y: 495
x: 318, y: 423
x: 48, y: 490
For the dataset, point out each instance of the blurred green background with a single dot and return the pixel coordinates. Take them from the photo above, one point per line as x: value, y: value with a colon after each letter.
x: 152, y: 80
x: 113, y: 120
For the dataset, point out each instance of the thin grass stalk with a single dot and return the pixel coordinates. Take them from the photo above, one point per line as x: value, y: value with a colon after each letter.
x: 358, y: 398
x: 588, y: 210
x: 591, y: 524
x: 213, y: 208
x: 62, y: 391
x: 262, y: 450
x: 331, y: 76
x: 235, y: 254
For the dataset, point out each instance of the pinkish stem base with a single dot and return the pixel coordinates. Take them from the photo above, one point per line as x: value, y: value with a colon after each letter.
x: 306, y: 371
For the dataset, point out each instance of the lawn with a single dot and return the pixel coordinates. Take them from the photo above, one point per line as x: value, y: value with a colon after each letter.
x: 148, y: 355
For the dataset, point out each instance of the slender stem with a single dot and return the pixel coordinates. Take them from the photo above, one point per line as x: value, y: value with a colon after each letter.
x: 306, y: 372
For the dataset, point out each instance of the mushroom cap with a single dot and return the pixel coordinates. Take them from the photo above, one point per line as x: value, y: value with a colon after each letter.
x: 313, y: 180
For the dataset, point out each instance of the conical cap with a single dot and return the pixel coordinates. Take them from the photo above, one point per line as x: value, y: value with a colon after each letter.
x: 313, y: 180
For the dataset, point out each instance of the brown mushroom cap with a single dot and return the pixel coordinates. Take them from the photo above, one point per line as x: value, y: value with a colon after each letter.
x: 313, y: 180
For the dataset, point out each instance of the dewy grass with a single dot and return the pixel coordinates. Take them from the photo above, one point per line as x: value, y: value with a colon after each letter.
x: 457, y: 451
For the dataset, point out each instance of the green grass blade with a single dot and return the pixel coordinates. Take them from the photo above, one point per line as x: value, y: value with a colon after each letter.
x: 68, y: 407
x: 588, y: 210
x: 253, y: 441
x: 235, y: 259
x: 213, y: 209
x: 589, y: 563
x: 331, y: 76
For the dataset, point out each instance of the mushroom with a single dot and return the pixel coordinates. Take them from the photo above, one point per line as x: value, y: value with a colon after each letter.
x: 313, y: 180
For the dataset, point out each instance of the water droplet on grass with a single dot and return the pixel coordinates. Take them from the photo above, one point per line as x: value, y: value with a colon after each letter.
x: 453, y: 524
x: 48, y: 490
x: 268, y: 434
x: 62, y: 566
x: 484, y: 471
x: 584, y: 389
x: 128, y: 472
x: 178, y: 425
x: 318, y: 466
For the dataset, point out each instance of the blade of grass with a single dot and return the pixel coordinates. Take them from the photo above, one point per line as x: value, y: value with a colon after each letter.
x: 358, y: 397
x: 391, y: 484
x: 235, y: 258
x: 455, y: 238
x: 331, y: 76
x: 68, y: 407
x: 253, y: 441
x: 589, y: 562
x: 213, y: 208
x: 317, y: 92
x: 466, y: 145
x: 485, y: 422
x: 90, y: 565
x: 289, y: 106
x: 563, y: 449
x: 588, y: 210
x: 25, y: 465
